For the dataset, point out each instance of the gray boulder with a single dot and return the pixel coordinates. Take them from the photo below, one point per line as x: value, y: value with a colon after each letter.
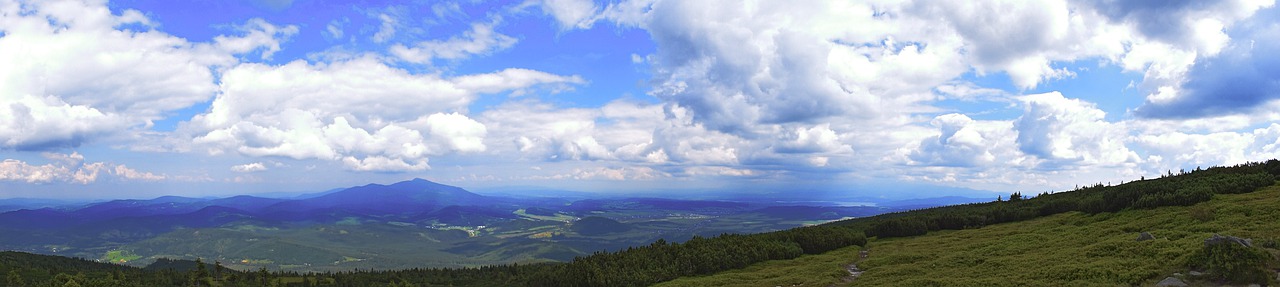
x: 1145, y: 236
x: 1172, y: 282
x: 1219, y: 239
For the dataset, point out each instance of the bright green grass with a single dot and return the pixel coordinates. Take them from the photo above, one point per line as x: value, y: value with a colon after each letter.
x: 1071, y: 249
x: 120, y: 256
x: 809, y: 270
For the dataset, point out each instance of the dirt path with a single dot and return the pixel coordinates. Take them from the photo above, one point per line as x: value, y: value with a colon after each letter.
x: 853, y: 269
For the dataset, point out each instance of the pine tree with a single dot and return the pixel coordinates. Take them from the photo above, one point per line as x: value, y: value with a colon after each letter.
x: 218, y: 270
x: 200, y: 276
x: 14, y: 279
x: 263, y: 277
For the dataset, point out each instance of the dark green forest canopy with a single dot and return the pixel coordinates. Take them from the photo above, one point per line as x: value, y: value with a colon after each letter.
x: 663, y: 261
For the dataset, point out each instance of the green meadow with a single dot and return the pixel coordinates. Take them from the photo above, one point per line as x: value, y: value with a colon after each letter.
x: 1068, y: 249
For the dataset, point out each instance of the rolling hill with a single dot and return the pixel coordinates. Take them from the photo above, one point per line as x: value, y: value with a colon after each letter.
x: 1068, y: 249
x: 415, y: 223
x: 1093, y: 236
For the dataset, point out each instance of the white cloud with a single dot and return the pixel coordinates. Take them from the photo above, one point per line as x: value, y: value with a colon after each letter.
x: 1054, y: 127
x: 734, y: 75
x: 129, y: 173
x: 464, y: 134
x: 70, y: 64
x: 1194, y: 25
x: 964, y: 142
x: 817, y: 139
x: 386, y: 30
x: 743, y: 89
x: 32, y: 122
x: 259, y: 35
x: 480, y: 40
x: 69, y: 168
x: 361, y: 112
x: 515, y: 79
x: 571, y: 13
x: 543, y: 132
x: 15, y: 170
x: 249, y: 167
x: 335, y: 29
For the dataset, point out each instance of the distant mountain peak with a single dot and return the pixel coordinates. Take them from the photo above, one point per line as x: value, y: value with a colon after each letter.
x: 411, y: 196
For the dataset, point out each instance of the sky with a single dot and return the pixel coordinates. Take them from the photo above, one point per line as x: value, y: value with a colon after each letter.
x: 141, y: 98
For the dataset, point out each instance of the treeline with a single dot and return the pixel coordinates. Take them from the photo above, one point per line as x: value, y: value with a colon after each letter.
x: 663, y: 261
x: 1173, y: 189
x: 33, y: 270
x: 635, y: 266
x: 660, y: 261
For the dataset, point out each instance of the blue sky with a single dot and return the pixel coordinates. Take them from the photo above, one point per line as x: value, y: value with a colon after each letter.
x: 135, y: 99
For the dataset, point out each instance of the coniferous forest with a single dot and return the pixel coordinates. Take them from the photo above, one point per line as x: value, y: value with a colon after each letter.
x: 661, y: 260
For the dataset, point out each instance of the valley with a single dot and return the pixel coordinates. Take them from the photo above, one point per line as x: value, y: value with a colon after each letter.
x: 411, y: 224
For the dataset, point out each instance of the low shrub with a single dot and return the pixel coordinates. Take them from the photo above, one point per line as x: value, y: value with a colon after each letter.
x: 1232, y: 262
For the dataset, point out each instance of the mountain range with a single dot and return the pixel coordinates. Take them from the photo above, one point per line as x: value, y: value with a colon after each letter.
x: 356, y: 227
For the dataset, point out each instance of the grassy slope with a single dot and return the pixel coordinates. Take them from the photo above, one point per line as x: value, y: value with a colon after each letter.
x: 1071, y: 249
x: 808, y: 270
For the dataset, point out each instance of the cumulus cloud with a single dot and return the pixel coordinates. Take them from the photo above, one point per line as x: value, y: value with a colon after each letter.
x: 1234, y: 82
x: 542, y: 132
x: 36, y: 123
x: 69, y: 168
x: 125, y: 172
x: 809, y: 63
x: 249, y: 167
x: 361, y: 112
x: 735, y: 74
x: 1193, y: 24
x: 817, y: 139
x: 801, y: 85
x: 73, y: 65
x: 964, y: 142
x: 1056, y: 128
x: 753, y: 89
x: 624, y: 133
x: 464, y: 134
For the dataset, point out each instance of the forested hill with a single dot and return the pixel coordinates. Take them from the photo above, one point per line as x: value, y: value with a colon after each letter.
x: 662, y: 261
x: 1173, y: 189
